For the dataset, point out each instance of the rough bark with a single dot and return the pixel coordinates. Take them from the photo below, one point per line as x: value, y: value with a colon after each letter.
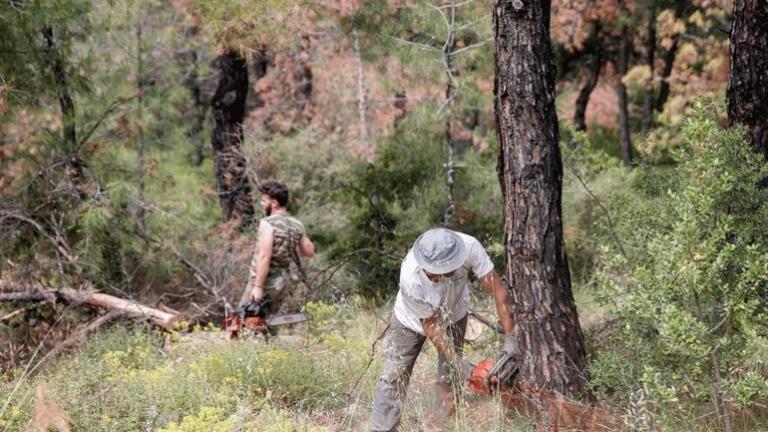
x: 530, y: 172
x: 650, y: 58
x: 227, y: 140
x: 622, y: 67
x: 747, y: 92
x: 596, y: 65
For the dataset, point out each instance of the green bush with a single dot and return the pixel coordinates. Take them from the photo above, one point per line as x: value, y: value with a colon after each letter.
x: 689, y: 291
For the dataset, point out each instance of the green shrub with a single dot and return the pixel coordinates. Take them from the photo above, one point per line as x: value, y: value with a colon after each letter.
x: 689, y: 291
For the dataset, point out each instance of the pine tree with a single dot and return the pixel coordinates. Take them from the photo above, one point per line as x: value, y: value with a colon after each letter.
x: 530, y: 172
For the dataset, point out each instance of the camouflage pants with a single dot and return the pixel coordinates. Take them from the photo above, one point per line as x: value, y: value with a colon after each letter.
x: 286, y: 292
x: 403, y: 347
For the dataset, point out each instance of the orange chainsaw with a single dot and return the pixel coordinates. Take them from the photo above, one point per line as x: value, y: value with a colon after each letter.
x: 491, y: 375
x: 255, y: 316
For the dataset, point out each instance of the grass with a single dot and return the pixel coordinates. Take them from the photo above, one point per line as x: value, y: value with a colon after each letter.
x: 306, y: 379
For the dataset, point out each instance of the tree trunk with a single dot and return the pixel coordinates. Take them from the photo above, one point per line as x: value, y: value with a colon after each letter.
x: 199, y: 108
x: 650, y: 58
x: 682, y: 8
x: 530, y: 172
x: 621, y: 89
x: 302, y: 78
x: 666, y: 71
x: 74, y: 164
x: 747, y: 92
x: 580, y: 112
x: 401, y: 108
x: 362, y: 103
x: 259, y: 67
x: 227, y: 141
x: 450, y: 93
x: 141, y: 143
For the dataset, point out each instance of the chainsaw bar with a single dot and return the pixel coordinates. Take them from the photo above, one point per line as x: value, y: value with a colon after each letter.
x: 504, y: 372
x: 289, y: 318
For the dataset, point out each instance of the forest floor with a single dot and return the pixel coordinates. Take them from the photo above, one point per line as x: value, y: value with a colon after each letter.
x: 316, y: 377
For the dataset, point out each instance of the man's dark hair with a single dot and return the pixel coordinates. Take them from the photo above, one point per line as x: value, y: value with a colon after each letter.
x: 275, y: 190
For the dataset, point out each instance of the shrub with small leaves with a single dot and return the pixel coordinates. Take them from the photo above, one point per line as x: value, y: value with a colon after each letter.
x: 690, y: 295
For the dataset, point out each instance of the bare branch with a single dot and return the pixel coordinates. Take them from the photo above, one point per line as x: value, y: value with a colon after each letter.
x: 201, y: 278
x: 24, y: 296
x: 469, y: 47
x: 416, y: 45
x: 112, y: 107
x: 78, y: 337
x: 442, y: 14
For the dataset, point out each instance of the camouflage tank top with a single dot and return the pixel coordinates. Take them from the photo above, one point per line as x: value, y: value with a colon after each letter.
x: 288, y: 232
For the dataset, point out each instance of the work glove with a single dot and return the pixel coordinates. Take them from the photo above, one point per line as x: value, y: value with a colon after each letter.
x: 510, y: 346
x: 505, y: 371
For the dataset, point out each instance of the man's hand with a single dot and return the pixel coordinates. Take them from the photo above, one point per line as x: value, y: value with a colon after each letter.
x: 257, y: 293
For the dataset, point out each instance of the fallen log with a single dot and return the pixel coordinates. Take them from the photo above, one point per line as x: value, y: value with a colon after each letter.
x: 130, y: 308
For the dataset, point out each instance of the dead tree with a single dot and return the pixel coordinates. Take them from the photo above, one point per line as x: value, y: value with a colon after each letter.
x: 530, y: 172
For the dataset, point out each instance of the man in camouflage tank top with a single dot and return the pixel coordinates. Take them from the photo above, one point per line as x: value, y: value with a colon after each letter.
x: 274, y: 267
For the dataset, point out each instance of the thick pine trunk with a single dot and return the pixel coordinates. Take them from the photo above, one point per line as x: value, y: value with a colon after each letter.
x: 748, y: 82
x: 227, y: 141
x: 530, y: 172
x: 621, y: 90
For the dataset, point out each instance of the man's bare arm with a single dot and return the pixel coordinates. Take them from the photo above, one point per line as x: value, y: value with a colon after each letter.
x: 437, y: 335
x: 494, y: 286
x: 266, y: 239
x: 306, y: 247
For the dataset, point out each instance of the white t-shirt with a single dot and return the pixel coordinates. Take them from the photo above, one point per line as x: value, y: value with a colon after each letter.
x: 419, y: 298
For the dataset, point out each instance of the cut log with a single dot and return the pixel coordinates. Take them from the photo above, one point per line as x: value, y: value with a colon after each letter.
x: 131, y: 308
